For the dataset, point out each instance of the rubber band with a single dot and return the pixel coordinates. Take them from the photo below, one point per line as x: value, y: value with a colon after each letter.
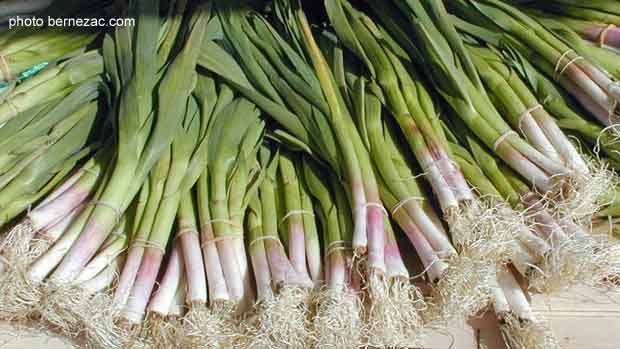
x: 185, y: 231
x: 205, y: 226
x: 90, y: 170
x: 117, y: 233
x: 5, y: 68
x: 402, y: 203
x: 148, y: 244
x: 296, y: 212
x: 503, y: 138
x: 374, y: 204
x: 116, y: 254
x: 547, y: 99
x: 221, y: 238
x: 427, y: 268
x: 223, y: 221
x: 411, y: 178
x: 337, y: 242
x: 338, y: 245
x: 603, y: 34
x: 264, y: 237
x: 109, y: 205
x: 337, y: 248
x: 528, y: 112
x: 557, y: 71
x: 557, y: 64
x: 569, y: 63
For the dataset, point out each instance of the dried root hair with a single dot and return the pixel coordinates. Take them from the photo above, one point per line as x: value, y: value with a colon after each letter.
x: 20, y: 296
x: 282, y: 321
x: 16, y: 243
x: 574, y: 261
x: 484, y: 228
x: 483, y: 231
x: 63, y: 308
x: 164, y: 331
x: 214, y: 327
x: 582, y: 195
x: 393, y: 313
x: 120, y: 333
x: 526, y: 334
x: 596, y: 255
x: 337, y: 322
x: 86, y: 317
x: 462, y: 292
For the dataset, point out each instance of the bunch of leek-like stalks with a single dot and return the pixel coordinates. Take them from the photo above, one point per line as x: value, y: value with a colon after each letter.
x: 221, y: 175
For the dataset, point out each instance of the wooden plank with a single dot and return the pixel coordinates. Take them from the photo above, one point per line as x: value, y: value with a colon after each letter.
x: 582, y: 318
x: 22, y: 337
x: 579, y: 318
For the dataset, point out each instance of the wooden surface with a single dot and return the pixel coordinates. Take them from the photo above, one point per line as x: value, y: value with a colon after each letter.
x: 580, y: 319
